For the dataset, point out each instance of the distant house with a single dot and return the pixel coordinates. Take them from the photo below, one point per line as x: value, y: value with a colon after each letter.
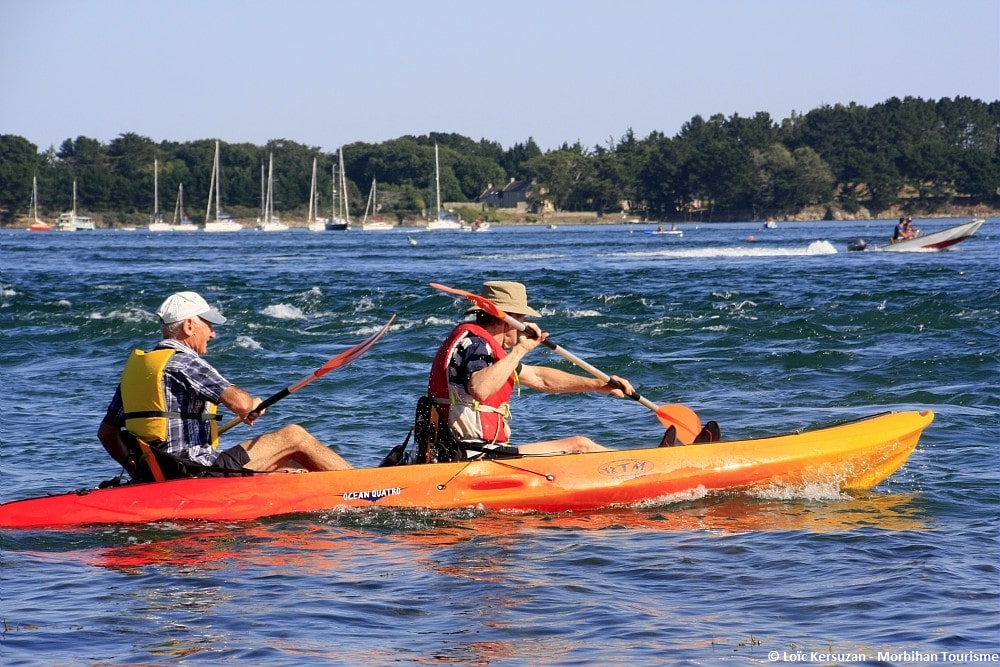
x: 513, y: 195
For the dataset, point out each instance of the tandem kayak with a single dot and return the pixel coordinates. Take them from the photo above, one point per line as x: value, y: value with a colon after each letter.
x: 854, y: 455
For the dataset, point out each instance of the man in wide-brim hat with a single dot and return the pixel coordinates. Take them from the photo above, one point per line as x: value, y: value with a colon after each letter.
x: 480, y: 363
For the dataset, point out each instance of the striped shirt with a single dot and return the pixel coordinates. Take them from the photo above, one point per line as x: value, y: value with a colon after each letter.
x: 189, y: 383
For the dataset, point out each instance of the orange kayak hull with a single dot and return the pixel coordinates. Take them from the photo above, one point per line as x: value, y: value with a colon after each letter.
x: 851, y: 456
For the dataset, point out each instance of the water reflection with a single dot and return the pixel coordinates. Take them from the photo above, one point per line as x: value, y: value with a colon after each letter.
x: 305, y: 543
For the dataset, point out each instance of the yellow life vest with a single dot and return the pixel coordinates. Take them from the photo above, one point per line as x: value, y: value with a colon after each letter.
x: 144, y: 402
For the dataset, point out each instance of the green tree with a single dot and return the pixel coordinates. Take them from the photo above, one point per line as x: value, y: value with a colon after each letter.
x: 658, y: 180
x: 562, y: 174
x: 130, y: 157
x: 18, y: 164
x: 85, y: 162
x: 515, y: 156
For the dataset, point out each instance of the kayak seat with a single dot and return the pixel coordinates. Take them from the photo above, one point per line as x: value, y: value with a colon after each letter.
x: 434, y: 439
x: 152, y: 464
x: 437, y: 444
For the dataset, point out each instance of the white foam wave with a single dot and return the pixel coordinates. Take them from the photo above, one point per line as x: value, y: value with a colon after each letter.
x: 814, y: 248
x: 672, y: 498
x: 742, y: 305
x: 516, y: 257
x: 124, y: 315
x: 364, y: 305
x: 284, y: 311
x: 247, y: 343
x: 825, y: 490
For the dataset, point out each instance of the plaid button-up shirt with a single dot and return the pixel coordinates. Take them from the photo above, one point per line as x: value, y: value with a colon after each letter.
x: 189, y: 383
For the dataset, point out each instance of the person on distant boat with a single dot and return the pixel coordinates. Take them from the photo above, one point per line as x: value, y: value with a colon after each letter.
x: 904, y: 230
x: 900, y: 233
x: 168, y: 399
x: 478, y: 366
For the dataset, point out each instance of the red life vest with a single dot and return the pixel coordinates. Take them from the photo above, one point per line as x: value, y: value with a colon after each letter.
x: 469, y: 419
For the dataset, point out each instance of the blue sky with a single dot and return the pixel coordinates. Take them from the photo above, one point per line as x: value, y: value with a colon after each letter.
x: 324, y: 73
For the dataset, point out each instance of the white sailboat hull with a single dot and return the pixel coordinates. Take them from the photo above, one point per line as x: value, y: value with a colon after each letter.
x: 223, y: 226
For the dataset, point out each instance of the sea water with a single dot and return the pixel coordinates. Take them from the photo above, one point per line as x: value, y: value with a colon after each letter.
x: 764, y: 331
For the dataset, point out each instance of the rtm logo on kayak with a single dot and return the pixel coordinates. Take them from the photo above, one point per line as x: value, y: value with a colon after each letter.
x: 372, y: 496
x: 627, y: 469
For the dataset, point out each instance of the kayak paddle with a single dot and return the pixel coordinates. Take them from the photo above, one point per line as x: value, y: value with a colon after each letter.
x: 342, y: 359
x: 684, y: 418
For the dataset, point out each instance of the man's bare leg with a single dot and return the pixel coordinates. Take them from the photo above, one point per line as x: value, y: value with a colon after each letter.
x: 288, y: 446
x: 576, y: 444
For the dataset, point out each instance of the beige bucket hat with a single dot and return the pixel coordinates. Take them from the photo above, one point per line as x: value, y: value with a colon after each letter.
x: 508, y: 296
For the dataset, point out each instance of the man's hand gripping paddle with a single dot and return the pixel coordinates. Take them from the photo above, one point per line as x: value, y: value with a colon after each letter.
x: 342, y: 359
x: 685, y: 419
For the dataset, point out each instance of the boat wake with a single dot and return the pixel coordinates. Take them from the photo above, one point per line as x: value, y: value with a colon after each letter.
x: 814, y: 248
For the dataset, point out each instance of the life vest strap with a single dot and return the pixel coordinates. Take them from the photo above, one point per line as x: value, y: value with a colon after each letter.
x: 198, y: 416
x: 490, y: 450
x: 476, y: 406
x: 149, y: 458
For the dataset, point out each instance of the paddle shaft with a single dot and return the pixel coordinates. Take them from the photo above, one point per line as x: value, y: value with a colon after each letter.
x: 263, y: 405
x: 578, y: 362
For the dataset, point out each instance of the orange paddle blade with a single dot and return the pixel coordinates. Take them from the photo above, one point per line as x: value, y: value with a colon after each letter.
x: 684, y: 418
x: 481, y: 301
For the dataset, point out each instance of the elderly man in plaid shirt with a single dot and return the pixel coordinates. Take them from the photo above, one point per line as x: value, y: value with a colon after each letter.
x: 169, y: 396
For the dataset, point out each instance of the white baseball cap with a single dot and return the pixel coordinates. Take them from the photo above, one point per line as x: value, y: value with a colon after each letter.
x: 184, y: 305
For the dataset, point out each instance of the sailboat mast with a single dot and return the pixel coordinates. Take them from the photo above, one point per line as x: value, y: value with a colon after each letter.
x: 34, y: 197
x: 312, y: 195
x: 212, y: 187
x: 437, y: 181
x: 218, y: 183
x: 177, y: 208
x: 333, y: 190
x: 156, y: 190
x: 270, y: 188
x: 343, y: 187
x: 368, y: 206
x: 263, y: 204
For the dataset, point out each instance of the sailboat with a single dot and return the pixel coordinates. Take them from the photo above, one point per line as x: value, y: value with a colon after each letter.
x: 180, y: 221
x: 71, y: 222
x: 37, y: 225
x: 221, y: 223
x: 156, y: 223
x: 376, y: 224
x: 269, y: 222
x: 440, y: 222
x: 314, y: 223
x: 341, y: 220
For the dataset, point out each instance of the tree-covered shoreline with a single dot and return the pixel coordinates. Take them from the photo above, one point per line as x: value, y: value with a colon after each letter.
x: 913, y: 155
